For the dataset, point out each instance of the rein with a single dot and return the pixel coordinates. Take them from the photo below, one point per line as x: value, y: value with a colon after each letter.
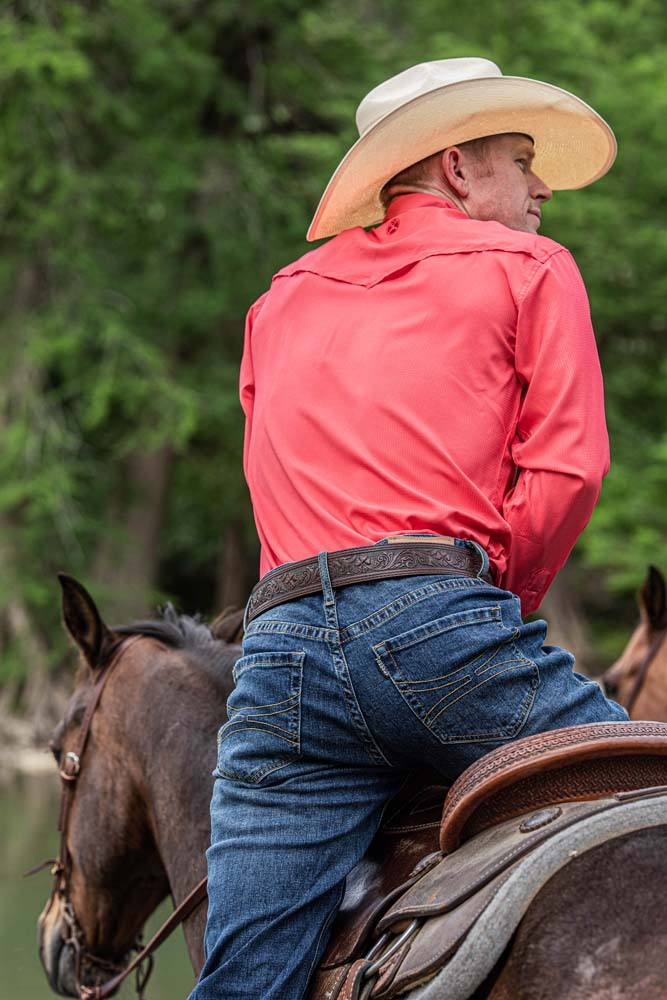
x: 653, y: 651
x: 61, y: 868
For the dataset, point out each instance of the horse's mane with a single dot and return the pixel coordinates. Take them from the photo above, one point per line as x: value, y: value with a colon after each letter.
x: 191, y: 633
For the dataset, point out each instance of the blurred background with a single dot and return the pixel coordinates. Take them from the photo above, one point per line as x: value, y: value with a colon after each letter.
x: 159, y: 161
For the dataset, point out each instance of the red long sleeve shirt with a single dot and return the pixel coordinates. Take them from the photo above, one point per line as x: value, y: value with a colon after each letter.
x: 435, y: 373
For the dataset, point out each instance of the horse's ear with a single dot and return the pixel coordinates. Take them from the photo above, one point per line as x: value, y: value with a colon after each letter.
x: 653, y: 598
x: 82, y: 619
x: 228, y: 626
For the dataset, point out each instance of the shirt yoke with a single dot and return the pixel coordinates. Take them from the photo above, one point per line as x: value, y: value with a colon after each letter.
x: 364, y: 257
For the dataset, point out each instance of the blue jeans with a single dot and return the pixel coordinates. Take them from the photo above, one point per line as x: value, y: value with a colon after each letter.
x: 339, y: 696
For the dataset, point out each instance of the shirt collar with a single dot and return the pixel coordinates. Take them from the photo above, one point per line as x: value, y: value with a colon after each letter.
x: 406, y: 202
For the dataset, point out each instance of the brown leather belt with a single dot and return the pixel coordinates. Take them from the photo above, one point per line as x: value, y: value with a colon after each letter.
x: 358, y: 565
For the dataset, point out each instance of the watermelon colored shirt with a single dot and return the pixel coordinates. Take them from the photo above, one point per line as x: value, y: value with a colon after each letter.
x: 437, y: 374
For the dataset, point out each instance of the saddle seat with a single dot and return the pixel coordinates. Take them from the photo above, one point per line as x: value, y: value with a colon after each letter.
x: 433, y: 869
x: 565, y: 765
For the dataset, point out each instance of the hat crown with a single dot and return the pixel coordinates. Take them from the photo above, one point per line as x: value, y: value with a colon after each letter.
x: 416, y: 81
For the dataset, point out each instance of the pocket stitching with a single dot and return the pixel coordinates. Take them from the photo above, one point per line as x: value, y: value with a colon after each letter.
x: 295, y: 661
x: 256, y: 709
x: 254, y: 729
x: 384, y: 654
x: 518, y: 722
x: 514, y: 663
x: 256, y: 717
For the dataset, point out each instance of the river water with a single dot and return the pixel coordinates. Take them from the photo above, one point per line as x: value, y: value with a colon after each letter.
x: 28, y: 816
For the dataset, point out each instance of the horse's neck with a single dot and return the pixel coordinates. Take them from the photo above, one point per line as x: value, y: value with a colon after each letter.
x: 179, y: 758
x: 182, y: 847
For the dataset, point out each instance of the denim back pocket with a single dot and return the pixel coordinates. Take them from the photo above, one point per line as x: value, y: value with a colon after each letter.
x: 262, y: 732
x: 463, y: 675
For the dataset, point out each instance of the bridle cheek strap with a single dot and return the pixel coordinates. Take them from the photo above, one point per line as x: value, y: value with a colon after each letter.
x: 70, y: 767
x: 70, y: 770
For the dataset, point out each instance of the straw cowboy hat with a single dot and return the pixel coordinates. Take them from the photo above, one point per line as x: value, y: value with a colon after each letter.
x: 438, y: 104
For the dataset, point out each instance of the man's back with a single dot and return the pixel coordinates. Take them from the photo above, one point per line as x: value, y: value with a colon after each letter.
x: 384, y: 381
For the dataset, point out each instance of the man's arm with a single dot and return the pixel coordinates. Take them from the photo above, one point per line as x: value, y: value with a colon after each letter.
x: 247, y: 377
x: 560, y: 448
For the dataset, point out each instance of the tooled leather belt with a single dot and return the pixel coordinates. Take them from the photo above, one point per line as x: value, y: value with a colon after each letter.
x: 358, y: 565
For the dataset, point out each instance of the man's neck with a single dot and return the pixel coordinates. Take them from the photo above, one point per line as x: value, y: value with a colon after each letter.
x: 440, y: 190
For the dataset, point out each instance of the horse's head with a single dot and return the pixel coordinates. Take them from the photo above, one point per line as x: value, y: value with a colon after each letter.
x: 108, y: 842
x: 638, y: 679
x: 136, y: 813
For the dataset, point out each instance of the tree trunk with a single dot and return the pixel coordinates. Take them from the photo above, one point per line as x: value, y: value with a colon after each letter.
x: 233, y: 586
x: 42, y: 701
x: 127, y: 560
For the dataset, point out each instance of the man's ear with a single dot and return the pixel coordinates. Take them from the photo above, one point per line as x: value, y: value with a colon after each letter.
x: 456, y: 171
x: 653, y: 599
x: 82, y: 620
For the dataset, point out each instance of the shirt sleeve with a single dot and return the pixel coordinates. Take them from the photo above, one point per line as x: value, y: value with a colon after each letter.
x: 561, y: 448
x: 247, y: 377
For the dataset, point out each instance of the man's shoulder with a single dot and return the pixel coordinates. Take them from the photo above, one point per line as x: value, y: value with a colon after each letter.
x: 494, y: 236
x: 329, y: 256
x: 307, y: 261
x: 365, y: 256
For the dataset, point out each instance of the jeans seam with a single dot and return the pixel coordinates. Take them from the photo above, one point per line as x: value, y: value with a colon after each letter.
x: 341, y: 667
x: 325, y: 927
x: 350, y: 696
x: 408, y: 777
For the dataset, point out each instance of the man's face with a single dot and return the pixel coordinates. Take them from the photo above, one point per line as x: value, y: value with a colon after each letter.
x: 503, y: 186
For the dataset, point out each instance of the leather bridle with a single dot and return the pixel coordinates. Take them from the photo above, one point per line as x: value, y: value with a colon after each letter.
x: 61, y: 868
x: 653, y: 651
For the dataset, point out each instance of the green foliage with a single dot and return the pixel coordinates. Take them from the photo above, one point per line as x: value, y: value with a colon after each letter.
x: 160, y: 160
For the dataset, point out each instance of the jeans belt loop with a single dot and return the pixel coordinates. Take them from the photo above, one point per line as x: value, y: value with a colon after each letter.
x: 482, y: 553
x: 327, y: 589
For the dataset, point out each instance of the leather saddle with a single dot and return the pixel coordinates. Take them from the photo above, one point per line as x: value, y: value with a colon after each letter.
x: 434, y: 868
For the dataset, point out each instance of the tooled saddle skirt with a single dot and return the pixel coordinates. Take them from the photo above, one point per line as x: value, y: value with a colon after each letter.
x: 433, y: 872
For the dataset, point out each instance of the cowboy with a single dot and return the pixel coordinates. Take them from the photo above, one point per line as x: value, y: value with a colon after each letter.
x: 425, y: 440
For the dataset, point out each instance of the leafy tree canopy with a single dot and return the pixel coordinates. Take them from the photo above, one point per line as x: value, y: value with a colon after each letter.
x: 160, y: 160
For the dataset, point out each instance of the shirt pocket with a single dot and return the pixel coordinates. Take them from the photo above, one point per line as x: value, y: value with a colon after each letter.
x: 463, y: 676
x: 263, y: 729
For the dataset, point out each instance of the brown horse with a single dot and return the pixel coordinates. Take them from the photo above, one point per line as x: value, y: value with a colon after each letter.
x: 138, y: 828
x: 138, y: 824
x: 638, y: 679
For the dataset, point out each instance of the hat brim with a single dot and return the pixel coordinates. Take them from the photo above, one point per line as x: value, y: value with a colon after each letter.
x: 574, y: 146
